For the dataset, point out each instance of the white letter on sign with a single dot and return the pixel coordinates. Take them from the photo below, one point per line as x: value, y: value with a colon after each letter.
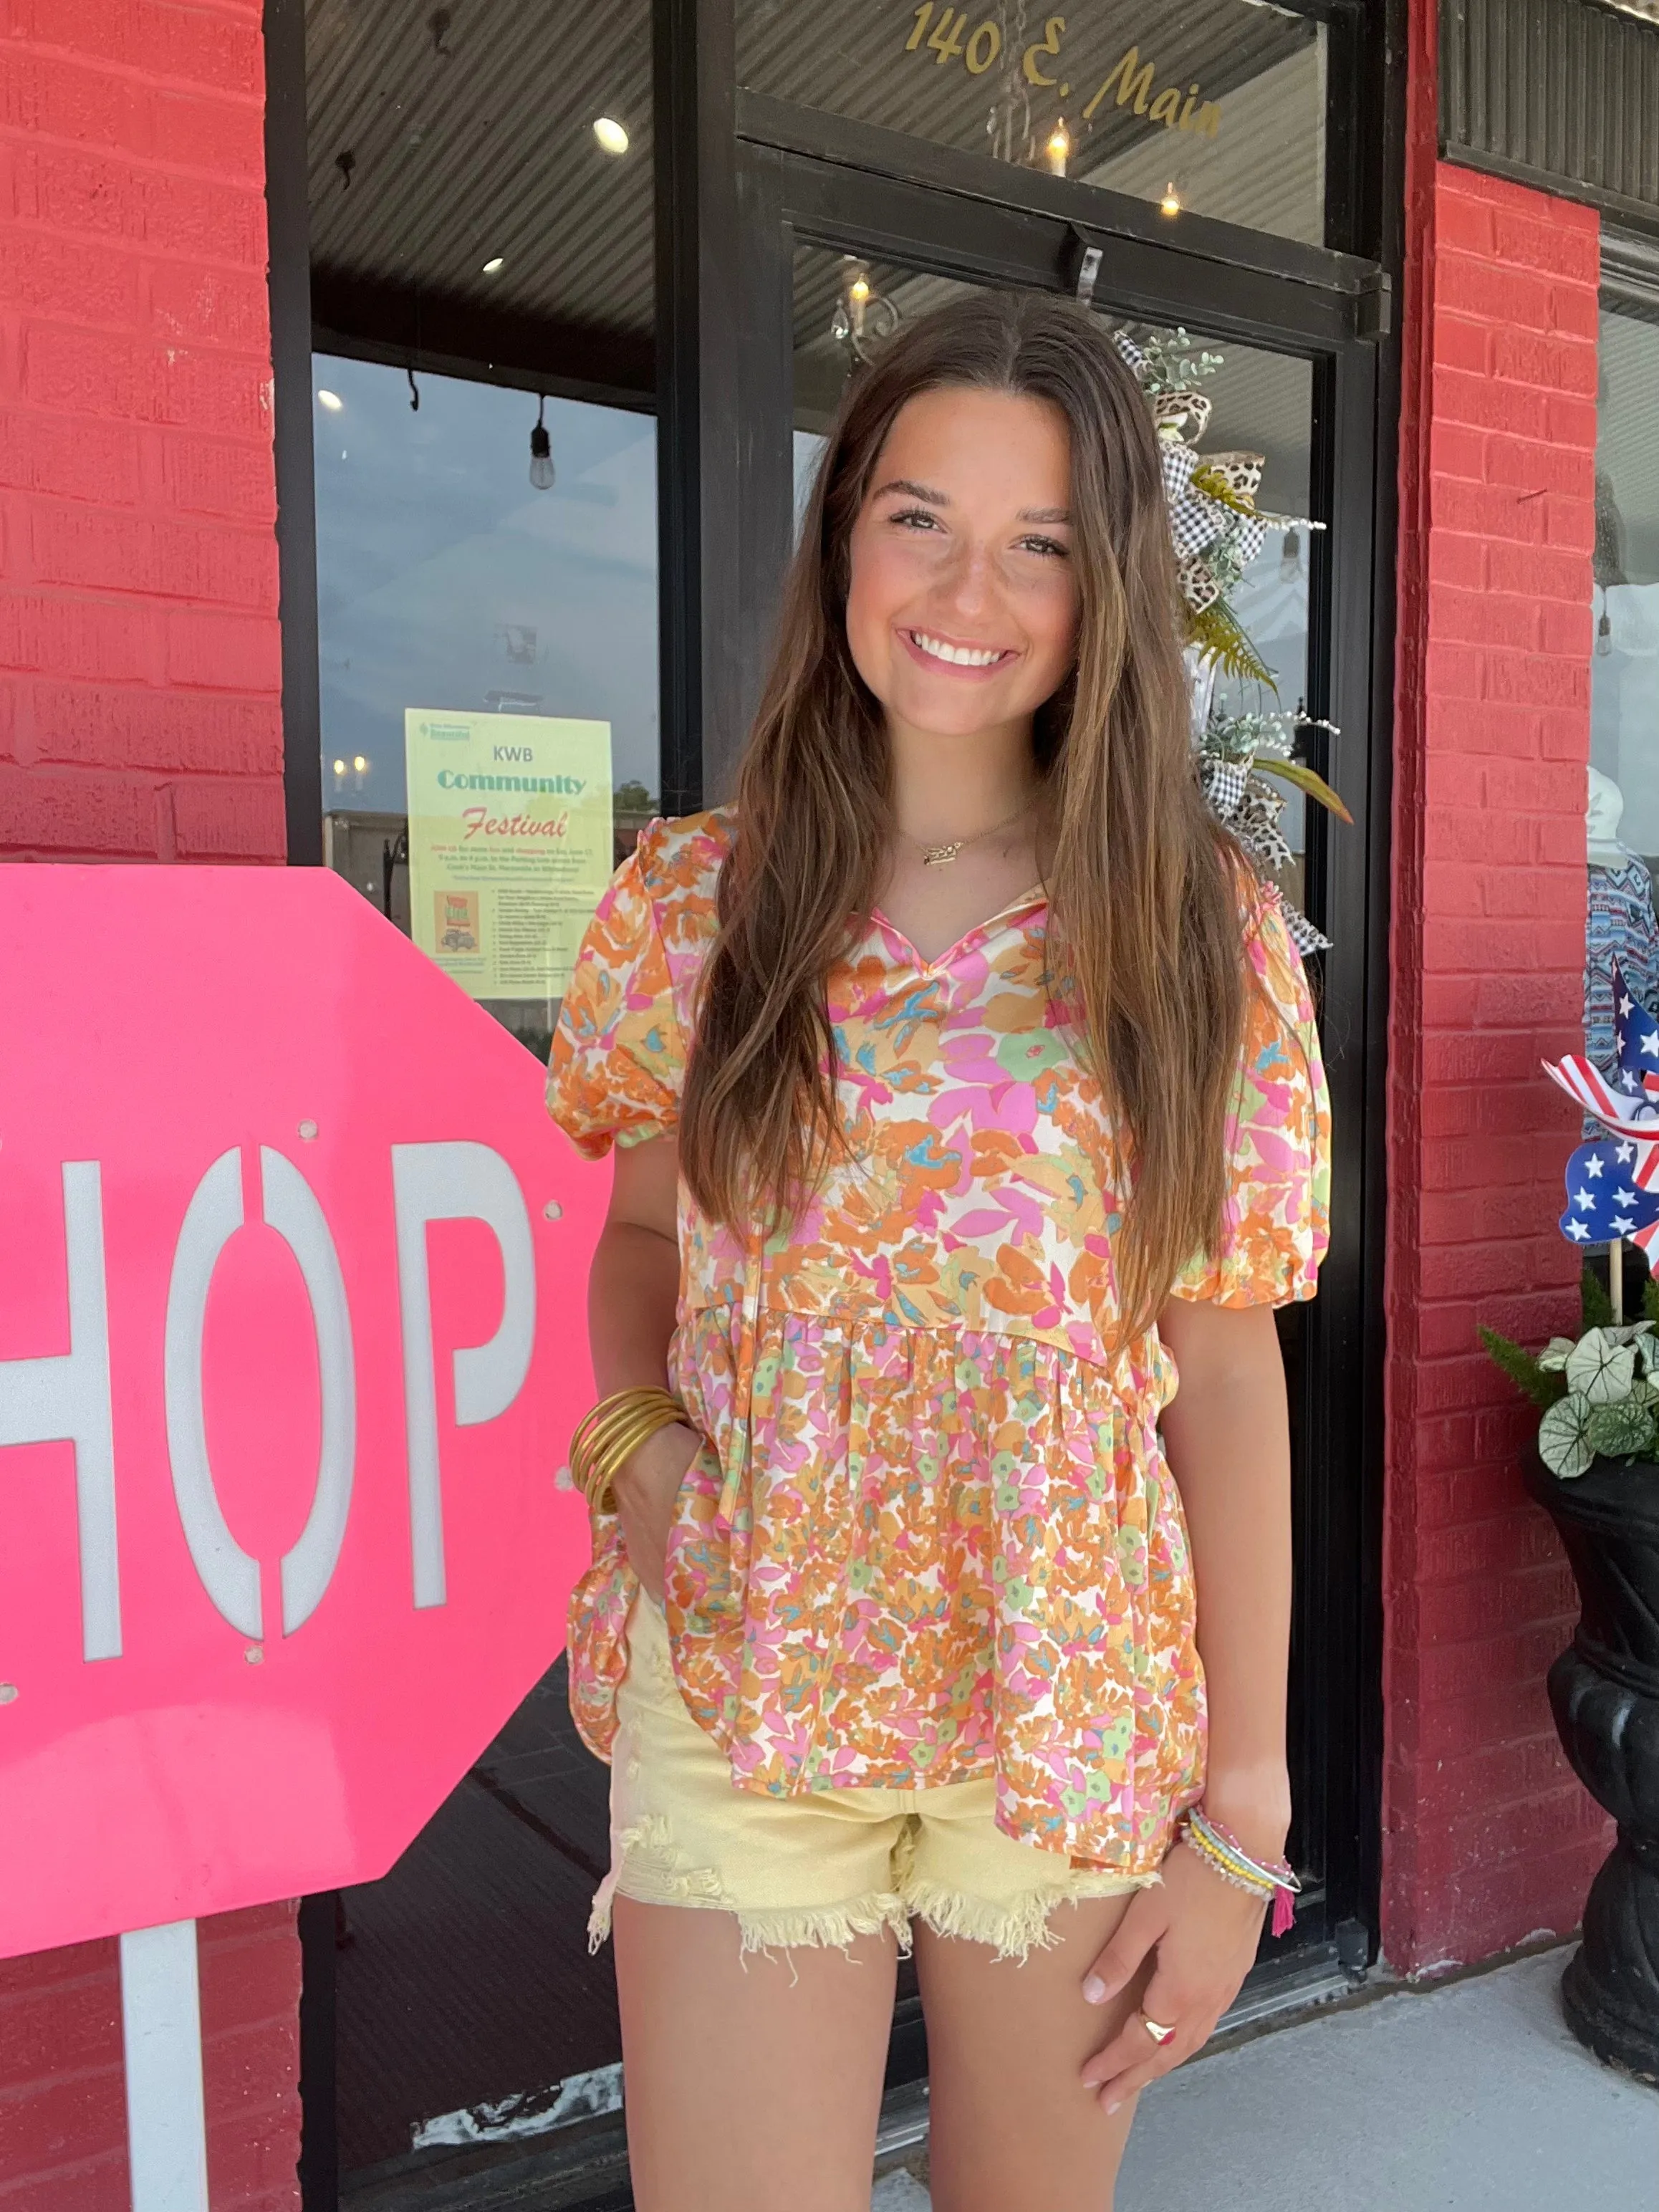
x: 457, y: 1181
x: 65, y: 1400
x: 229, y: 1575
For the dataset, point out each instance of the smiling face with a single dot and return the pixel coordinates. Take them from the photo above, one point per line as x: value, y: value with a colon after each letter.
x: 962, y: 602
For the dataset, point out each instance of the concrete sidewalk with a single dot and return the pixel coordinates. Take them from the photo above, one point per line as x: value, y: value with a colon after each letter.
x: 1469, y: 2097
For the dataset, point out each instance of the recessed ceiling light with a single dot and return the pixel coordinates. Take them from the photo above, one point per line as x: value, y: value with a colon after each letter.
x: 332, y: 400
x: 612, y: 138
x: 496, y: 261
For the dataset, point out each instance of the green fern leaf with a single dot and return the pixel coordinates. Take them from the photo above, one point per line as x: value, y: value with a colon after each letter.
x: 1534, y: 1382
x: 1597, y: 1306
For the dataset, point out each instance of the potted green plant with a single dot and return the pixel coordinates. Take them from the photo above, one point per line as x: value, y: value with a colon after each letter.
x: 1597, y: 1473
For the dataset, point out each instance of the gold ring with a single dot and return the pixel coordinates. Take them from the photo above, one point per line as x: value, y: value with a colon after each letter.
x: 1158, y: 2034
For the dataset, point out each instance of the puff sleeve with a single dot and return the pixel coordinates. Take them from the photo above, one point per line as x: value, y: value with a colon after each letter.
x: 1276, y: 1219
x: 618, y: 1054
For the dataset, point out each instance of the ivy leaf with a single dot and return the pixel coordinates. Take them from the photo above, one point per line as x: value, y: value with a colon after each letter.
x: 1564, y: 1444
x: 1625, y: 1431
x: 1556, y: 1353
x: 1599, y: 1368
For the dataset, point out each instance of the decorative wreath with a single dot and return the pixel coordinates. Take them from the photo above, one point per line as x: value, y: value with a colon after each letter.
x: 1218, y: 531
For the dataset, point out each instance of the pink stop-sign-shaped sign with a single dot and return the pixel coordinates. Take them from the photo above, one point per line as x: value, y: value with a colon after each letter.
x: 292, y: 1343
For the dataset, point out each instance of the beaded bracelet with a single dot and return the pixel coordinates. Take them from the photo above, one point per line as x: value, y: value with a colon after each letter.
x: 1224, y: 1854
x: 611, y: 1433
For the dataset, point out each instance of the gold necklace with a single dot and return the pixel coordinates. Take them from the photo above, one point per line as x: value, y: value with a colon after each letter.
x: 940, y: 856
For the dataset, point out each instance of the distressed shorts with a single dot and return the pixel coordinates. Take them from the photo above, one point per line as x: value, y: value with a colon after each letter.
x: 820, y: 1868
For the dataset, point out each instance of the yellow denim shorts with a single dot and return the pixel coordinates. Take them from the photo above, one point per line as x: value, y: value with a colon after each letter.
x: 811, y: 1869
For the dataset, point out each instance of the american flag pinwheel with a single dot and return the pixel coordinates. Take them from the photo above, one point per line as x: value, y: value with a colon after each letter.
x: 1612, y: 1182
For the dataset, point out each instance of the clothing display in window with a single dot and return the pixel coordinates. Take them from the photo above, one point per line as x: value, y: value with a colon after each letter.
x: 1620, y: 923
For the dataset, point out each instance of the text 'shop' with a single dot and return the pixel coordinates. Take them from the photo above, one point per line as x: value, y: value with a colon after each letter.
x: 1612, y: 1184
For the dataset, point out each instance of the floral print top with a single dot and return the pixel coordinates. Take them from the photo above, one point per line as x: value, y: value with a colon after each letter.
x: 931, y: 1533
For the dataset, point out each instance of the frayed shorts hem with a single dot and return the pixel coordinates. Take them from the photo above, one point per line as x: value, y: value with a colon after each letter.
x: 1011, y: 1927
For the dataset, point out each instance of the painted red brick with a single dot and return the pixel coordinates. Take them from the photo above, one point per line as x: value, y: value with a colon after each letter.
x: 140, y: 719
x: 1487, y: 1837
x: 139, y: 650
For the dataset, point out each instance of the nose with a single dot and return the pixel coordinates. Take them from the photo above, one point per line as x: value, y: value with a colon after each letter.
x: 969, y: 585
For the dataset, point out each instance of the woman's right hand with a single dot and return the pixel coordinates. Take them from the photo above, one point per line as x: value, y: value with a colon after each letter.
x: 646, y: 1487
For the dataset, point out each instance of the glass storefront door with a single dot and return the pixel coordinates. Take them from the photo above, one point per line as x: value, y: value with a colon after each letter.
x: 856, y: 258
x: 559, y: 427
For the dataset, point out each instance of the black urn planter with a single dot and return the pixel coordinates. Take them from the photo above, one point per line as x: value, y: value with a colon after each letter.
x: 1604, y: 1693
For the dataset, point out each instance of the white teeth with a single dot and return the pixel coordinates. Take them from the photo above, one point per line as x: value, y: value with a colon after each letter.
x: 964, y: 656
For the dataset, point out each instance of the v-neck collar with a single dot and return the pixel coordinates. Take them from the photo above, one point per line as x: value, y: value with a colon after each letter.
x: 1037, y: 896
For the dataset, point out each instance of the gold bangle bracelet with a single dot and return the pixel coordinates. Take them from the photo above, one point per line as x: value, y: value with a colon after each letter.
x: 611, y: 1433
x: 601, y: 1466
x: 600, y: 1443
x: 613, y: 1417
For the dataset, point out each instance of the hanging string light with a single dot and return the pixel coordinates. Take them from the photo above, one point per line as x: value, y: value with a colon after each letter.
x: 541, y: 471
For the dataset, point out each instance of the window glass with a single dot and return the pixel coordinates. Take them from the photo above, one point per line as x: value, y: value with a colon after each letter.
x: 1622, y: 826
x: 484, y: 434
x: 494, y: 638
x: 1216, y: 106
x: 483, y: 419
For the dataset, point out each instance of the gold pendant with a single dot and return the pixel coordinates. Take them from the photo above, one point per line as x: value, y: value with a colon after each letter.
x: 939, y: 856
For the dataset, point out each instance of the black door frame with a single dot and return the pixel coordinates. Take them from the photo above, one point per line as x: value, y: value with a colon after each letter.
x: 812, y: 179
x: 738, y: 176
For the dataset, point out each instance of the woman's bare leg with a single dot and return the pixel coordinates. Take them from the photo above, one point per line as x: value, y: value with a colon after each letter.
x: 754, y: 2083
x: 1013, y: 2129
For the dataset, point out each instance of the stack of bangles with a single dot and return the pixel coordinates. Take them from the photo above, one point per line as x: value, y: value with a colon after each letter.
x: 611, y: 1433
x: 1273, y: 1879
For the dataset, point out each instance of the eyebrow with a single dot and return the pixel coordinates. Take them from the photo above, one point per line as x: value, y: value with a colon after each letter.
x: 911, y: 490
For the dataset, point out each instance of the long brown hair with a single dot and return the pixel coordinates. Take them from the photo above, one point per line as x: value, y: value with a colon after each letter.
x: 1144, y: 938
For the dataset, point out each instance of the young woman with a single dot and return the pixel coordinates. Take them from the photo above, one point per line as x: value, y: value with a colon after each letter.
x: 965, y: 1089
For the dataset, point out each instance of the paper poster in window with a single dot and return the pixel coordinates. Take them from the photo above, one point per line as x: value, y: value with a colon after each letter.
x: 509, y: 844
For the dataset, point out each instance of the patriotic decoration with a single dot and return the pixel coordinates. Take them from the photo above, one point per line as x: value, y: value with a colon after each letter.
x: 1613, y: 1191
x: 1599, y: 1393
x: 1612, y: 1184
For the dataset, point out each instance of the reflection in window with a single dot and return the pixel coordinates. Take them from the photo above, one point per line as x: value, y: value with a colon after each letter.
x: 1215, y: 107
x: 484, y: 437
x: 1622, y: 826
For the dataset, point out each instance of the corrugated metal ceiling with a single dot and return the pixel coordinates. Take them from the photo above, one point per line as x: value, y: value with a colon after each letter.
x: 442, y: 136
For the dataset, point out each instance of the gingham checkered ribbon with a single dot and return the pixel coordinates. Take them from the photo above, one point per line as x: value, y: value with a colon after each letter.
x: 1250, y: 808
x: 1196, y: 520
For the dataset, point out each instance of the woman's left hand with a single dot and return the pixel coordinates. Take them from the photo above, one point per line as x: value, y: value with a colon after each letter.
x: 1204, y: 1933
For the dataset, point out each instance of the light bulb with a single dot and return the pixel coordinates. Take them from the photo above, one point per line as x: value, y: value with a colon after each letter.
x: 496, y: 261
x: 359, y: 763
x: 611, y: 134
x: 1170, y: 203
x: 859, y: 290
x: 339, y: 767
x: 541, y: 452
x: 1058, y: 150
x: 332, y: 400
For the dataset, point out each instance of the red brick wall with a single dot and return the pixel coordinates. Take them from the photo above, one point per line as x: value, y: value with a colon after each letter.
x: 63, y: 2116
x: 139, y: 720
x: 139, y: 692
x: 1487, y: 1837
